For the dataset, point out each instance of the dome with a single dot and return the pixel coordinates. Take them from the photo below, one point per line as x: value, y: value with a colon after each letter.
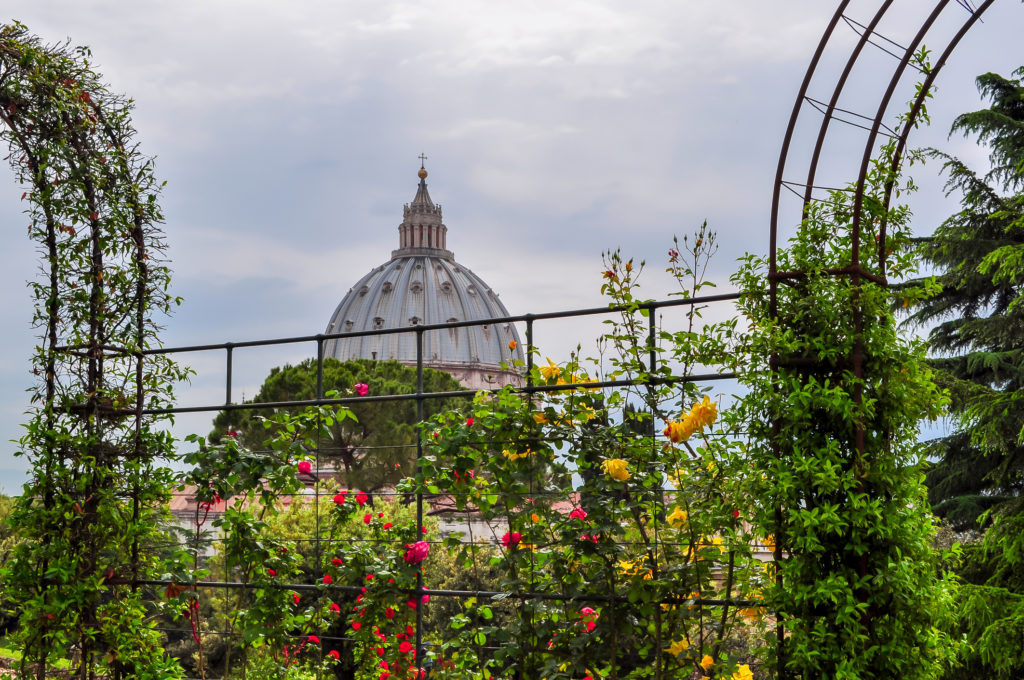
x: 423, y: 284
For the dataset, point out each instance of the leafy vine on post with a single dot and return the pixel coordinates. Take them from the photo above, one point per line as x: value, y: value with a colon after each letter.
x: 861, y: 594
x: 90, y: 513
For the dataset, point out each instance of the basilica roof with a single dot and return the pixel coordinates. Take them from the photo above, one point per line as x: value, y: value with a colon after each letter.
x: 423, y: 284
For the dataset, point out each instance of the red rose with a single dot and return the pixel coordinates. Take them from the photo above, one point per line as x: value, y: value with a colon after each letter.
x: 335, y: 609
x: 271, y: 573
x: 337, y: 561
x: 305, y: 467
x: 295, y: 598
x: 388, y: 525
x: 511, y: 538
x: 469, y: 422
x: 328, y: 580
x: 334, y: 654
x: 339, y: 497
x: 356, y: 625
x: 313, y: 640
x: 366, y: 518
x: 416, y: 552
x: 361, y: 498
x: 405, y: 647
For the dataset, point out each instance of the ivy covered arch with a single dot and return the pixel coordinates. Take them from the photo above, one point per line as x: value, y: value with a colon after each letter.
x: 88, y: 514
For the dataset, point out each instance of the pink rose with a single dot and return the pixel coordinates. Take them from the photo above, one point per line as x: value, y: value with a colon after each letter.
x: 511, y: 538
x: 305, y: 467
x: 417, y: 552
x: 578, y: 513
x: 362, y: 389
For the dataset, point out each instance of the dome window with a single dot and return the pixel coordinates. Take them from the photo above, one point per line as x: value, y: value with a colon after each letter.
x: 446, y: 286
x: 378, y: 323
x: 416, y: 287
x: 348, y: 324
x: 386, y: 288
x: 471, y: 290
x: 414, y: 321
x: 364, y: 290
x: 452, y: 320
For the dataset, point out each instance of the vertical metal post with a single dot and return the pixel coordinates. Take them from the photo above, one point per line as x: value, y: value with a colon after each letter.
x: 320, y: 366
x: 529, y: 350
x: 419, y: 497
x: 227, y: 389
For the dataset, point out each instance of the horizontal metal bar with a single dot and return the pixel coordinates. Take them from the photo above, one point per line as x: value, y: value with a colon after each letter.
x: 591, y: 311
x: 251, y: 406
x: 413, y: 592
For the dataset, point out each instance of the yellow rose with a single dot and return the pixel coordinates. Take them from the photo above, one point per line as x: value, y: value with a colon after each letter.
x: 677, y: 647
x: 743, y: 673
x: 540, y: 418
x: 707, y: 662
x: 678, y: 518
x: 678, y: 430
x: 551, y: 370
x: 703, y: 414
x: 616, y: 468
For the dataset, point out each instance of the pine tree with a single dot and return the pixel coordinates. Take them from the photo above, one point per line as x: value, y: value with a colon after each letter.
x: 978, y: 343
x: 977, y: 334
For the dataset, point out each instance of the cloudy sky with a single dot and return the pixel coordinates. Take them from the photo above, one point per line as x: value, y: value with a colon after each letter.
x: 288, y: 134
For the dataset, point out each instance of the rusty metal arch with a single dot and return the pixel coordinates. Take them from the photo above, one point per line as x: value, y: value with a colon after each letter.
x: 874, y: 128
x: 859, y: 275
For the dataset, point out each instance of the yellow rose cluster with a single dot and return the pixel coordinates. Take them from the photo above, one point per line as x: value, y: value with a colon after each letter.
x: 512, y: 455
x: 703, y: 414
x: 616, y: 468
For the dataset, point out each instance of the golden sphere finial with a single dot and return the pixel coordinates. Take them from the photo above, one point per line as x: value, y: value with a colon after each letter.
x: 422, y: 173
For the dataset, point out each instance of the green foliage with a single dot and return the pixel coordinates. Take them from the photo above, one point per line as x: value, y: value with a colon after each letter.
x: 378, y: 446
x: 859, y: 594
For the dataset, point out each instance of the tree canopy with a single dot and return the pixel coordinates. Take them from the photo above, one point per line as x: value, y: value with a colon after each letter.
x: 378, y: 449
x: 977, y: 338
